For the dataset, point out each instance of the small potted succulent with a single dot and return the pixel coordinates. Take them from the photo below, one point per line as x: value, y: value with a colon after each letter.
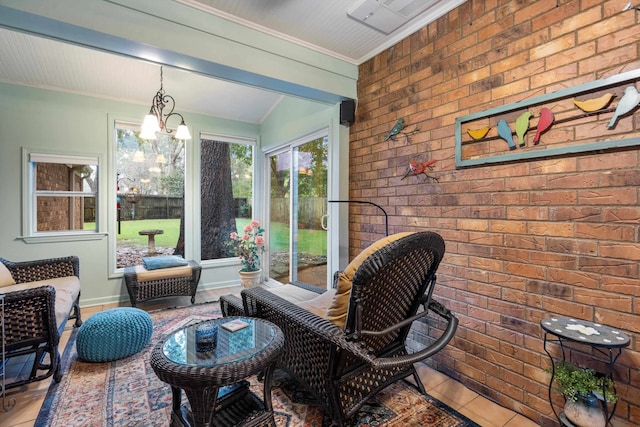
x: 584, y: 389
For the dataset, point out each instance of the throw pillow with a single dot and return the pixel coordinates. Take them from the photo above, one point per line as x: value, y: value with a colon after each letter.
x: 337, y: 312
x: 5, y: 276
x: 168, y: 261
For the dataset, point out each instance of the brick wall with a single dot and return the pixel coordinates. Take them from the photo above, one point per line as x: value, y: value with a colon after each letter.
x: 54, y: 213
x: 525, y: 240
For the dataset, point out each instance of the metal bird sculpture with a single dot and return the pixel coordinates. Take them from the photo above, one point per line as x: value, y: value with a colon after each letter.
x: 417, y: 168
x: 522, y: 126
x: 398, y: 129
x: 628, y: 102
x: 544, y: 122
x: 505, y: 133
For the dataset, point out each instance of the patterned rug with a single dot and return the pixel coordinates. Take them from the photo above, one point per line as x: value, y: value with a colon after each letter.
x: 126, y: 392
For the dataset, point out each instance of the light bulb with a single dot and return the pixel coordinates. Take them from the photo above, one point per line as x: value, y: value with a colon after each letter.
x: 182, y: 132
x: 138, y: 157
x: 149, y: 127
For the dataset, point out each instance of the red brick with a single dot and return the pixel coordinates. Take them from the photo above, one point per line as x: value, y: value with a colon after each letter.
x: 542, y: 228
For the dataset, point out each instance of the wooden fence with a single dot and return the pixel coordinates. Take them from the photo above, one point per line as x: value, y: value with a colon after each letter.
x: 310, y: 210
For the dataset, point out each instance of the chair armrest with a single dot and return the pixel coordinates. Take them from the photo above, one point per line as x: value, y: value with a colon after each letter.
x: 43, y: 269
x: 436, y: 346
x: 299, y: 325
x: 29, y: 317
x: 231, y: 305
x: 314, y: 337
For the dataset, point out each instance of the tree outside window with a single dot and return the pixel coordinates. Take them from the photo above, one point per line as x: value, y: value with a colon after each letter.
x: 226, y: 182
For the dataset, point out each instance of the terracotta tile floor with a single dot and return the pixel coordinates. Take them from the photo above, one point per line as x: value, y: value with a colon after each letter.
x: 29, y: 398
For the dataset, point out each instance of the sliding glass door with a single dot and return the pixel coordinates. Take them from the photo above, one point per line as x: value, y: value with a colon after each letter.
x: 297, y: 212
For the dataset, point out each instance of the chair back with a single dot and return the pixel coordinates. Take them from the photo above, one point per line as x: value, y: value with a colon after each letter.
x: 389, y: 286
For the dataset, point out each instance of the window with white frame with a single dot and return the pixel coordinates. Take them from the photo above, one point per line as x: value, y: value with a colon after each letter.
x: 226, y: 191
x: 61, y: 194
x: 150, y: 188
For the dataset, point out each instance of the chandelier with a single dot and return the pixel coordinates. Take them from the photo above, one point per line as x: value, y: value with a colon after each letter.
x: 155, y: 121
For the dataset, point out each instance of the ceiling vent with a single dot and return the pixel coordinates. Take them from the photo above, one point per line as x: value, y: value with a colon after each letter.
x: 387, y: 15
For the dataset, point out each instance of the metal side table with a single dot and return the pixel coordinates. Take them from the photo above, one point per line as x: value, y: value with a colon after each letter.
x: 604, y: 339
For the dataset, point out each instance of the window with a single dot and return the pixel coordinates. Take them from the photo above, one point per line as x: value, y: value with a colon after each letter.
x: 226, y: 191
x: 149, y: 195
x: 61, y: 195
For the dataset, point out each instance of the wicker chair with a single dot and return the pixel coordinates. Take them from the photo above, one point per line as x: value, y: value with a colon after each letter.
x: 30, y: 315
x: 343, y: 368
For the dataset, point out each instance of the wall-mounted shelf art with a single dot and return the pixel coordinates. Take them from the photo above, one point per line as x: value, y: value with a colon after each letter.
x: 588, y: 117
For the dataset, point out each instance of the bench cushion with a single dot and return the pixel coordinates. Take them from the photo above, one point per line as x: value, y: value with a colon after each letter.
x: 67, y: 291
x: 292, y: 293
x: 145, y: 275
x: 113, y: 334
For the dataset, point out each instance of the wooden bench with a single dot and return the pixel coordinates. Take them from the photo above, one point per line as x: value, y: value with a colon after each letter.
x: 144, y: 285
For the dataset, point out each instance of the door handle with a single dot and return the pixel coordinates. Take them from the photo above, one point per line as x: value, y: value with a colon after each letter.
x: 323, y: 222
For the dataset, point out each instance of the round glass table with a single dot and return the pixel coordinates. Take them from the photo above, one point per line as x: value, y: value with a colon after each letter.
x: 210, y: 362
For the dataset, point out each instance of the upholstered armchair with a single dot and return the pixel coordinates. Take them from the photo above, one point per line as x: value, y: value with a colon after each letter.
x: 348, y: 352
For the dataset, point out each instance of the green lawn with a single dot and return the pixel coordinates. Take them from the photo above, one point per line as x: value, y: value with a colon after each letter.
x: 313, y: 242
x: 129, y: 232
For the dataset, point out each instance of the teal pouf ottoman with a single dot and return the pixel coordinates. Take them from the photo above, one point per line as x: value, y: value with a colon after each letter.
x: 113, y: 334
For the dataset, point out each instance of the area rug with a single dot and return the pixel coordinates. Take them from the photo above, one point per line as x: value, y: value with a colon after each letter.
x: 126, y: 392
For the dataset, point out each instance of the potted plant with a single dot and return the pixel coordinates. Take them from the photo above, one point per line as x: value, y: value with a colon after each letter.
x: 248, y: 246
x: 584, y: 389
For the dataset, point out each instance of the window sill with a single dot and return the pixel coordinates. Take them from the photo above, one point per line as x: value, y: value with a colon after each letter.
x: 52, y: 238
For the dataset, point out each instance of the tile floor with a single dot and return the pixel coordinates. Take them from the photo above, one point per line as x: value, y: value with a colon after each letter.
x: 29, y: 398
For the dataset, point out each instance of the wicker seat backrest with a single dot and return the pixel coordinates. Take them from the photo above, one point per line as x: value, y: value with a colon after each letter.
x: 388, y: 286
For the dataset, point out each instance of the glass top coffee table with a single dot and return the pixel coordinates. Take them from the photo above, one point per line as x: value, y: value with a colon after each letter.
x: 211, y: 364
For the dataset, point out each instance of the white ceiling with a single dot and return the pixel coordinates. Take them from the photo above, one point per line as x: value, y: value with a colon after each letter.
x: 322, y: 25
x: 325, y: 24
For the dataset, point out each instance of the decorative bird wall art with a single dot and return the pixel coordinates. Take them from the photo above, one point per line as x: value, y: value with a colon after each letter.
x: 398, y: 129
x: 544, y: 122
x: 479, y: 133
x: 627, y: 103
x: 505, y: 133
x: 594, y: 104
x: 522, y: 126
x: 546, y: 119
x: 420, y: 168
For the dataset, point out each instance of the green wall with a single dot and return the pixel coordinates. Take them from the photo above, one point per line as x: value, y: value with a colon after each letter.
x: 76, y: 124
x: 164, y: 32
x: 68, y: 123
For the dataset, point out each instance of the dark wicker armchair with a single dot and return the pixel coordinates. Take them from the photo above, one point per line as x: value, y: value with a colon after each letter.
x: 343, y: 368
x: 30, y: 315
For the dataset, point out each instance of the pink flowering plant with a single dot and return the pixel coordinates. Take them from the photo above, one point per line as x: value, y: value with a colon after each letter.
x: 249, y: 245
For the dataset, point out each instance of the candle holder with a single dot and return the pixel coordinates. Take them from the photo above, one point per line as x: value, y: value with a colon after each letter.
x: 206, y: 336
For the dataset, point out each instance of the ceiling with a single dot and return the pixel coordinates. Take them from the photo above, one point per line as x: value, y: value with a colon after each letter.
x: 324, y: 26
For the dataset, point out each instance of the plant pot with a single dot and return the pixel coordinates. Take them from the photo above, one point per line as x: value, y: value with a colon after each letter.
x: 250, y: 279
x: 586, y: 412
